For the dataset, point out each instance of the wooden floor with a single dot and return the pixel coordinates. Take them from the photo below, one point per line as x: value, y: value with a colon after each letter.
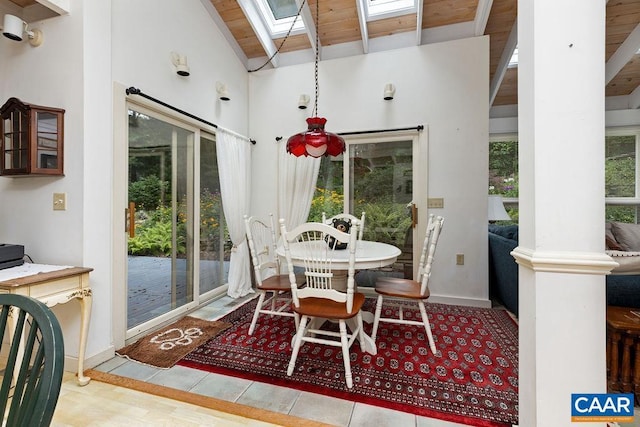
x: 102, y: 404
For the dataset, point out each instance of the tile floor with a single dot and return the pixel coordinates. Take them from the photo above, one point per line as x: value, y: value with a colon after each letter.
x: 307, y: 405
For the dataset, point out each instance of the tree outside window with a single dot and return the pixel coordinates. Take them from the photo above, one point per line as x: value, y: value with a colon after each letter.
x: 503, y: 171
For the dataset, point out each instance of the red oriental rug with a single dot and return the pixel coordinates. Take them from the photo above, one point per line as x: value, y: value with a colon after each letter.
x: 473, y: 379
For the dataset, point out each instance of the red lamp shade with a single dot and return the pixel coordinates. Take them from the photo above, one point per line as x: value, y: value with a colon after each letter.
x: 315, y: 142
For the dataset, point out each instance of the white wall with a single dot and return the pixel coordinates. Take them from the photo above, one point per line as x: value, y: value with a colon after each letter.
x: 443, y: 86
x: 83, y: 55
x: 49, y: 75
x: 144, y: 35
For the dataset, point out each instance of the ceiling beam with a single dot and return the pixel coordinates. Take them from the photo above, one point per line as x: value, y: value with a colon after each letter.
x: 507, y: 53
x: 61, y: 7
x: 364, y: 31
x: 634, y: 98
x: 250, y: 10
x: 482, y: 16
x: 309, y: 24
x: 419, y: 14
x: 623, y: 55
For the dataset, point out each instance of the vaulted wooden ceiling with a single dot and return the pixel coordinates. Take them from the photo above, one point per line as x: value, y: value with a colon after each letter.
x: 440, y: 20
x: 342, y: 23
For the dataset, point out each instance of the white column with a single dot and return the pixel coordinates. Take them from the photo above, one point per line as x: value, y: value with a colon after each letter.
x: 561, y: 253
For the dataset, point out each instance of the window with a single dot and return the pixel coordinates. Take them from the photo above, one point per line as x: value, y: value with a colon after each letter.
x: 503, y: 171
x: 379, y: 9
x: 621, y: 175
x: 278, y: 15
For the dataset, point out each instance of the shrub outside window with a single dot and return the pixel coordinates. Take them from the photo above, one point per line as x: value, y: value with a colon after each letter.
x: 621, y: 175
x: 503, y: 171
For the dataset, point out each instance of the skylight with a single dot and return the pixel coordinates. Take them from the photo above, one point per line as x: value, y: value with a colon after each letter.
x: 378, y: 9
x: 278, y: 15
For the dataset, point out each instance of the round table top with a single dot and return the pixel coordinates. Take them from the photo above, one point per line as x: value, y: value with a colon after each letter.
x: 368, y: 255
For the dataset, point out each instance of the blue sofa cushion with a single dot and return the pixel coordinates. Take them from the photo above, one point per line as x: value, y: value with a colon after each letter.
x: 507, y: 231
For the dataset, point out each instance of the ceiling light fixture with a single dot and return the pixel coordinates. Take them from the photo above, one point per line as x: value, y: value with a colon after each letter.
x: 13, y: 28
x: 315, y: 141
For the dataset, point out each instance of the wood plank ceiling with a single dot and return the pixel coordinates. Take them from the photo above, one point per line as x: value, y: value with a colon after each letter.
x: 446, y: 20
x: 439, y: 20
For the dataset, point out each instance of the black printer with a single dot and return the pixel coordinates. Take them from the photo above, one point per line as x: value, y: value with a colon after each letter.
x: 11, y: 255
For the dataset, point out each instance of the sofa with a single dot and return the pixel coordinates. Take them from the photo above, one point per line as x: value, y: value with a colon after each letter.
x: 622, y: 285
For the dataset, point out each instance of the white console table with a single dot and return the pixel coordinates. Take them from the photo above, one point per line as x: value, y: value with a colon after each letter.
x: 54, y: 285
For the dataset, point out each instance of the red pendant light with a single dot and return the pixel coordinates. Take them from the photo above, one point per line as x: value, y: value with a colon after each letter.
x: 315, y: 141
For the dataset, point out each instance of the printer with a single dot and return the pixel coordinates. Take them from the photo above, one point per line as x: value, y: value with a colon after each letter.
x: 11, y: 255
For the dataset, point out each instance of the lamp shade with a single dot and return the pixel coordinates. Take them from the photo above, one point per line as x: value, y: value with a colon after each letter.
x: 315, y: 142
x: 497, y: 212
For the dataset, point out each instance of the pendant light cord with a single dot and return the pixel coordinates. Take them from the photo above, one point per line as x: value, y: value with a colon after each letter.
x: 315, y: 106
x: 283, y: 40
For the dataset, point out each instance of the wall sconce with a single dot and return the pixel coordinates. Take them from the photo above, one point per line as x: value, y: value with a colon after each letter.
x: 14, y: 27
x: 223, y: 92
x: 389, y: 91
x: 303, y: 102
x: 180, y: 62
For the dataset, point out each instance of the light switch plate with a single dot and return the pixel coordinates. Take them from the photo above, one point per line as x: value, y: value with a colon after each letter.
x: 59, y: 201
x: 435, y: 202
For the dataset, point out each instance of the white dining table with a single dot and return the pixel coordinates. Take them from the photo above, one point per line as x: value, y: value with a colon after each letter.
x: 369, y: 255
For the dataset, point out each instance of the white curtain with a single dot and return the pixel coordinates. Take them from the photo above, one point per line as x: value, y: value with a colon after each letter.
x: 234, y: 166
x: 296, y: 184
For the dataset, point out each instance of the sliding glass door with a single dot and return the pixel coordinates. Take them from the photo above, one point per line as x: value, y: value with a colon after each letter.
x: 379, y: 179
x: 176, y: 234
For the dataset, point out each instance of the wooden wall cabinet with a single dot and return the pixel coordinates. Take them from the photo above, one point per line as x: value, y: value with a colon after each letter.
x: 32, y: 139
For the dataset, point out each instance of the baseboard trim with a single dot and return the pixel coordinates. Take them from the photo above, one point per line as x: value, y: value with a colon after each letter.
x: 71, y: 362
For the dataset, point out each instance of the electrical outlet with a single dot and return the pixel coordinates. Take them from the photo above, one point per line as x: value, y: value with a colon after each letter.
x: 459, y: 259
x: 59, y: 201
x: 435, y: 202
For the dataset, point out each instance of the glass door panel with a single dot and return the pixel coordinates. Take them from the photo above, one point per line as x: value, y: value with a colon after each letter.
x: 377, y: 179
x: 381, y: 184
x: 160, y: 241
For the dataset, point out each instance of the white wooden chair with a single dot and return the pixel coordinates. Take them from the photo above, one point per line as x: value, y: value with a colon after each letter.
x: 266, y: 266
x: 403, y: 290
x: 354, y: 220
x: 318, y: 300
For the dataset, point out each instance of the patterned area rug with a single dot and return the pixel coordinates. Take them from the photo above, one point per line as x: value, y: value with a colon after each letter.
x: 167, y: 346
x: 473, y: 379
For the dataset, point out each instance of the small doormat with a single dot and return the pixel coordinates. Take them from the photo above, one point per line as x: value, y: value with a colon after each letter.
x: 165, y: 347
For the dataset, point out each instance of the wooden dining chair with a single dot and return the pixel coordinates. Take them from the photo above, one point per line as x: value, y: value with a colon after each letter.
x: 399, y: 290
x: 318, y: 300
x: 272, y: 286
x: 354, y: 220
x: 33, y: 364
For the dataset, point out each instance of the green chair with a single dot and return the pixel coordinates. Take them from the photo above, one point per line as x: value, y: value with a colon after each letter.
x: 32, y: 375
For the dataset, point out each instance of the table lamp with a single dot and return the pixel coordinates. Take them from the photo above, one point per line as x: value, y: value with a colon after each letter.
x: 496, y: 211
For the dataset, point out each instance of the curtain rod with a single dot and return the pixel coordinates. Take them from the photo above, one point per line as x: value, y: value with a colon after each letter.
x: 361, y: 132
x: 135, y: 91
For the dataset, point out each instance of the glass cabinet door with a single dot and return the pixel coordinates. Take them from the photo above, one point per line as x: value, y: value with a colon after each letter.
x: 47, y: 140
